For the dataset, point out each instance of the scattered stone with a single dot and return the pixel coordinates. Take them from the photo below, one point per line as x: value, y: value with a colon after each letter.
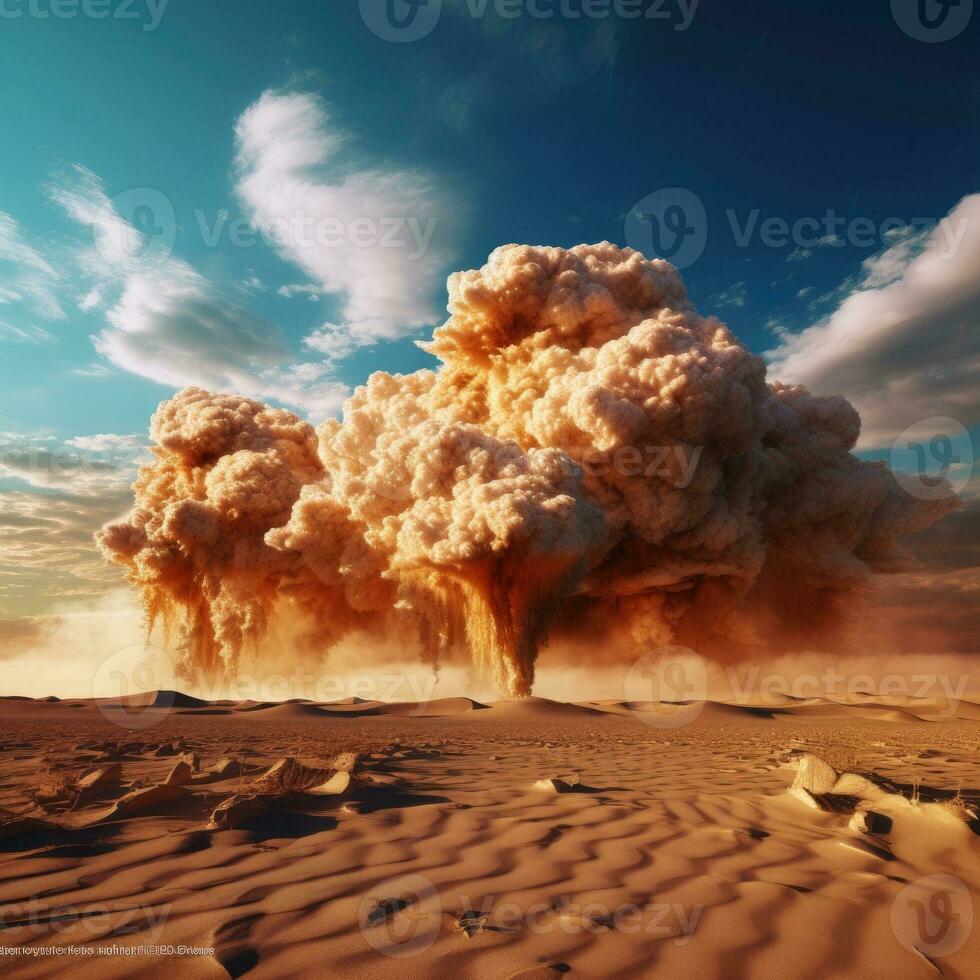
x: 338, y: 784
x: 804, y: 796
x: 851, y: 784
x: 237, y: 812
x: 560, y: 784
x: 102, y: 777
x: 141, y: 800
x: 814, y: 775
x: 180, y: 775
x: 346, y: 762
x: 871, y: 822
x: 289, y: 775
x: 226, y: 766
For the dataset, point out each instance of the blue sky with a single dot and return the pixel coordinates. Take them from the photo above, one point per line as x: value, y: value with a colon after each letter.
x: 550, y: 131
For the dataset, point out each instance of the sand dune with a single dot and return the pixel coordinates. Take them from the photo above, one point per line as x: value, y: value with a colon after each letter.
x: 772, y: 707
x: 436, y: 708
x: 541, y: 709
x: 531, y: 838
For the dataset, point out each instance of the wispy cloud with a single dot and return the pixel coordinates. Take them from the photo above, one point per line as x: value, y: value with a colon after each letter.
x: 29, y: 280
x: 168, y: 323
x: 49, y: 551
x: 83, y: 466
x: 28, y: 334
x: 735, y: 295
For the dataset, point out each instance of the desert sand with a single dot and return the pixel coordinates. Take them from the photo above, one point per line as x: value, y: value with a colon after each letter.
x: 790, y: 838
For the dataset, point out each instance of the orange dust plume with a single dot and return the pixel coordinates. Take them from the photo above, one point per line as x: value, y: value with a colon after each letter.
x: 592, y: 453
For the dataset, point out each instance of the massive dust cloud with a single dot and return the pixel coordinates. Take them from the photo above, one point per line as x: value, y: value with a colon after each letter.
x: 593, y: 463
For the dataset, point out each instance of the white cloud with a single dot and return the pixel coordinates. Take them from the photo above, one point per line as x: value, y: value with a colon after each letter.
x: 311, y: 291
x: 366, y: 234
x: 28, y: 277
x: 169, y: 326
x: 109, y: 442
x: 118, y: 249
x: 91, y: 300
x: 167, y: 323
x: 904, y: 342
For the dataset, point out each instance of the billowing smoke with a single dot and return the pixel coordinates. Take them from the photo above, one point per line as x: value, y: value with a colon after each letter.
x: 593, y: 462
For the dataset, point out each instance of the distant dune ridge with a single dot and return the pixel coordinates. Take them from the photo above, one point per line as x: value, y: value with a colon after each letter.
x: 905, y: 710
x: 592, y: 454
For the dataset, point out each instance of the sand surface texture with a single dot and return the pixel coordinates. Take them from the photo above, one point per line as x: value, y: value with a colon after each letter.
x: 534, y: 839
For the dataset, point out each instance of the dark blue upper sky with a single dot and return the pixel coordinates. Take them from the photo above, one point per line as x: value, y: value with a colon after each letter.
x: 546, y: 131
